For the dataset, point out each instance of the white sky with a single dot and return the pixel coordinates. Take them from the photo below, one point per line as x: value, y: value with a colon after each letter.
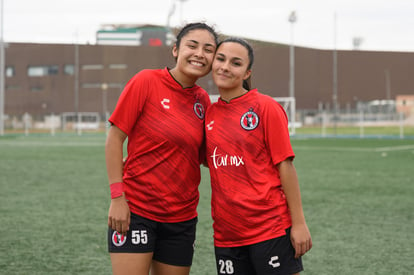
x: 383, y: 25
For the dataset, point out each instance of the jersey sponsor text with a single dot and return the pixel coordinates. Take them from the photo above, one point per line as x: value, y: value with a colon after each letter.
x: 226, y: 160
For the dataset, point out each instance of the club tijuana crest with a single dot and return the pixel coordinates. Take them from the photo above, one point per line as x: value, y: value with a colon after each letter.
x: 199, y: 110
x: 118, y: 239
x: 250, y: 120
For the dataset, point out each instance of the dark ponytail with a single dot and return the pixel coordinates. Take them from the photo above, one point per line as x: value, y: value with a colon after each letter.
x: 247, y: 83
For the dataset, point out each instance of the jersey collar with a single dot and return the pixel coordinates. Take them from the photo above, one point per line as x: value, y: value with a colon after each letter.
x: 174, y: 84
x: 241, y: 98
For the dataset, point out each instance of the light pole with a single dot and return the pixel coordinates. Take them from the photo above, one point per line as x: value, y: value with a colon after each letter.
x: 76, y: 87
x: 387, y: 84
x: 170, y: 14
x: 2, y: 67
x: 181, y: 10
x: 104, y: 88
x: 335, y: 80
x: 292, y: 20
x: 388, y: 89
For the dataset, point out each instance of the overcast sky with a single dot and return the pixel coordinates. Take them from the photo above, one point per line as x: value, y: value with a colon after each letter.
x: 382, y: 25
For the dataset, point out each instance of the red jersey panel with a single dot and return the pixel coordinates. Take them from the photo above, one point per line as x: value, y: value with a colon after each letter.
x: 165, y: 128
x: 245, y: 140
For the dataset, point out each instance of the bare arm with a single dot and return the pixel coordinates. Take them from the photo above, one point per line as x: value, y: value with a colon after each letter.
x: 300, y: 235
x: 119, y: 214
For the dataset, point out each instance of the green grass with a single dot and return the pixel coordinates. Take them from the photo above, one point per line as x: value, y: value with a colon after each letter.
x: 357, y: 196
x: 367, y: 131
x: 358, y: 200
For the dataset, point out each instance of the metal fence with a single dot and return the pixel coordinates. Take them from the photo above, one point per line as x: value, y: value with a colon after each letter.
x: 361, y: 118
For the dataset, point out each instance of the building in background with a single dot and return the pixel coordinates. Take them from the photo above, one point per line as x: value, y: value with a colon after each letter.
x: 405, y: 104
x: 41, y: 79
x: 134, y: 35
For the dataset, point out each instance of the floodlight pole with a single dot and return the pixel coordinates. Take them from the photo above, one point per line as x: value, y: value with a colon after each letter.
x: 388, y: 84
x: 104, y: 87
x: 2, y: 71
x: 335, y: 79
x: 388, y: 89
x: 292, y: 20
x: 170, y: 14
x: 172, y: 11
x: 181, y: 10
x: 76, y: 88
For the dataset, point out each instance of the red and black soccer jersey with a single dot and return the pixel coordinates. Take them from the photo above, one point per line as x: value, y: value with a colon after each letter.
x: 164, y: 124
x: 246, y: 139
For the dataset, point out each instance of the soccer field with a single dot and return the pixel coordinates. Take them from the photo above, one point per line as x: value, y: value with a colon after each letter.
x: 357, y: 196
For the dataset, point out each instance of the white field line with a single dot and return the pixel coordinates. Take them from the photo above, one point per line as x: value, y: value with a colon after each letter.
x: 395, y: 148
x: 23, y: 143
x: 353, y: 149
x: 358, y: 149
x: 50, y: 144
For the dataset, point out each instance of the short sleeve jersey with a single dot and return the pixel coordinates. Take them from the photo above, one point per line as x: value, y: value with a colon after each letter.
x: 246, y: 138
x: 165, y: 128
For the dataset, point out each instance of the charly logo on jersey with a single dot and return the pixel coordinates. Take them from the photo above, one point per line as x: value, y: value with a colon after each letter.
x: 249, y: 120
x: 210, y: 125
x: 165, y: 103
x: 118, y: 239
x: 199, y: 110
x: 274, y: 261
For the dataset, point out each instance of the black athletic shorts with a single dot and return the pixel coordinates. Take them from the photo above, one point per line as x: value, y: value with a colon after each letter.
x: 171, y: 243
x: 271, y: 257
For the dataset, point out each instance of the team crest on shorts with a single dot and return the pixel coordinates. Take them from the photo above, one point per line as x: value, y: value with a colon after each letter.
x: 199, y: 110
x: 118, y: 239
x: 250, y: 120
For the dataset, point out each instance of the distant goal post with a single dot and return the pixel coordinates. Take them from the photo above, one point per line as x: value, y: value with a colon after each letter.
x: 288, y: 103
